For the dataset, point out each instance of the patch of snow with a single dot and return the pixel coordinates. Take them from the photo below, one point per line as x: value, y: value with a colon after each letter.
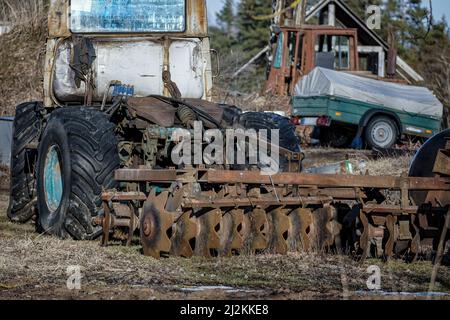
x: 405, y: 294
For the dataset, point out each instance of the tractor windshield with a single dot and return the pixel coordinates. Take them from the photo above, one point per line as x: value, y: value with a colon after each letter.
x: 127, y: 16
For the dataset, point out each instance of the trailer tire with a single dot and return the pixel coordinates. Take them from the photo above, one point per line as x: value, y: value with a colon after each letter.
x: 26, y: 129
x: 76, y: 162
x: 381, y: 133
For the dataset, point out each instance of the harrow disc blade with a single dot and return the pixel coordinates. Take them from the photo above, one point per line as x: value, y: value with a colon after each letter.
x: 334, y: 228
x: 278, y: 228
x: 154, y: 225
x: 320, y: 235
x: 230, y: 238
x: 300, y: 222
x: 185, y: 232
x: 254, y: 231
x: 207, y: 239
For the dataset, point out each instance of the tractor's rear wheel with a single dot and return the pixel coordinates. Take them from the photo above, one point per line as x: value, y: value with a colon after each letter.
x: 26, y: 129
x: 76, y: 162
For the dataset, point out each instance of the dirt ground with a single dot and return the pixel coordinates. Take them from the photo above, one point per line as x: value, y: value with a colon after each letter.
x: 34, y: 266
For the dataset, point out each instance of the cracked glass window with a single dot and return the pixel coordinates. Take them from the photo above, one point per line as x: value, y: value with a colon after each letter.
x: 108, y: 16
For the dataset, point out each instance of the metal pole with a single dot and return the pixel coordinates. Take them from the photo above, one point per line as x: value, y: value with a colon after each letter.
x: 440, y: 252
x: 250, y: 62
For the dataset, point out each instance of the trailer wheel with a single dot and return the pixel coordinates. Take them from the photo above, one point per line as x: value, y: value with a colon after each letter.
x: 381, y: 133
x: 77, y: 159
x: 26, y: 128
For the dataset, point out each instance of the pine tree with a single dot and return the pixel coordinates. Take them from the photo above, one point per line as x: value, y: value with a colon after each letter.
x: 226, y: 18
x: 222, y: 36
x: 253, y: 34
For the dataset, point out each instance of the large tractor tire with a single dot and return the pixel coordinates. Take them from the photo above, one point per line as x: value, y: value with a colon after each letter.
x: 77, y: 159
x: 26, y: 130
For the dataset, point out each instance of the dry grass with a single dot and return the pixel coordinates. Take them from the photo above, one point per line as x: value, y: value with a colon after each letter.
x: 33, y: 266
x: 362, y: 160
x: 22, y: 52
x: 23, y: 12
x: 4, y: 177
x: 252, y: 102
x: 391, y: 166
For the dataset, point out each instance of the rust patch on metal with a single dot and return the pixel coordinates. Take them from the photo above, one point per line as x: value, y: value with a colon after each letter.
x: 153, y: 110
x: 58, y: 19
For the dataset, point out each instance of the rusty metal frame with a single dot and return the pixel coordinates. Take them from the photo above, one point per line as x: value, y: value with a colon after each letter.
x: 284, y: 189
x: 301, y: 179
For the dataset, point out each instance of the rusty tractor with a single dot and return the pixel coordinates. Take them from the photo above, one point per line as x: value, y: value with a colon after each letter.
x: 93, y: 160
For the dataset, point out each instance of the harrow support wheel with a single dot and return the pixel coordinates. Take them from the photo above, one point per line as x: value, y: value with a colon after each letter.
x: 207, y: 239
x: 300, y: 221
x: 230, y: 237
x: 254, y: 231
x: 185, y: 230
x: 278, y: 228
x: 154, y: 226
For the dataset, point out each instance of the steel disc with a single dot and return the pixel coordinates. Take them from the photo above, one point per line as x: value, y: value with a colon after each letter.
x: 300, y: 222
x: 230, y: 238
x: 155, y: 223
x: 255, y: 231
x: 185, y: 230
x: 423, y: 162
x: 207, y: 240
x: 278, y: 228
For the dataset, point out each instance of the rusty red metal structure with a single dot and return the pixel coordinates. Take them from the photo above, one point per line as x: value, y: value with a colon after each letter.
x: 222, y: 212
x: 296, y: 53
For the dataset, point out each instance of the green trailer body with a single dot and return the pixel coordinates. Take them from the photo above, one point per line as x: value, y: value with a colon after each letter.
x: 354, y: 112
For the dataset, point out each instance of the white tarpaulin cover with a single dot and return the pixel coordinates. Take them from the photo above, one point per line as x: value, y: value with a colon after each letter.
x: 326, y: 82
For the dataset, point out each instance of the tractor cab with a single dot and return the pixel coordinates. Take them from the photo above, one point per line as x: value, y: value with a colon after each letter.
x: 148, y: 47
x: 297, y: 51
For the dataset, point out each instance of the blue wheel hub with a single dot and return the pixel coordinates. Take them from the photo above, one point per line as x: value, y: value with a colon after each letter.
x: 53, y: 182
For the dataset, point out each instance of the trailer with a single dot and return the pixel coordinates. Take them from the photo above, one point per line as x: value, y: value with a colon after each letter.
x: 352, y: 106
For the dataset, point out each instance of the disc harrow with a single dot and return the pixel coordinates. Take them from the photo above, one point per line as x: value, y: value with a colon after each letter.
x: 208, y: 213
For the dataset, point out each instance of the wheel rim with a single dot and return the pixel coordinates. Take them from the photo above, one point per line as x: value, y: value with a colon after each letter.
x: 53, y: 182
x: 382, y: 134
